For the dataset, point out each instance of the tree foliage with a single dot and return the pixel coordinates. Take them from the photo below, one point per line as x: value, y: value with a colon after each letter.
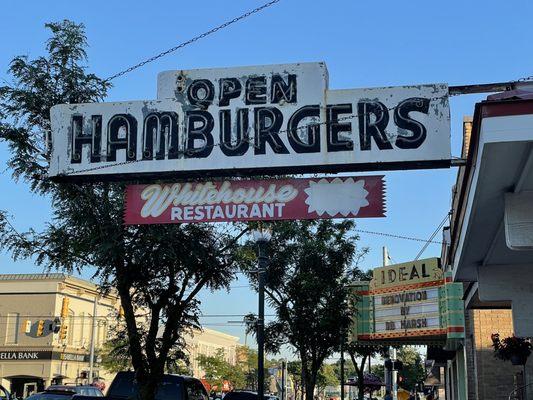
x: 310, y: 264
x: 413, y: 367
x: 326, y: 377
x: 359, y: 355
x: 157, y: 270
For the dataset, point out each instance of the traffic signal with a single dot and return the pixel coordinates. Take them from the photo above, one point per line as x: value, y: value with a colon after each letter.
x: 64, y: 307
x: 397, y: 365
x: 56, y: 325
x: 63, y: 332
x: 40, y: 327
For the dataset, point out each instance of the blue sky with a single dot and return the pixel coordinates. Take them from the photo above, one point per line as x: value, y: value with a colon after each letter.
x: 365, y: 44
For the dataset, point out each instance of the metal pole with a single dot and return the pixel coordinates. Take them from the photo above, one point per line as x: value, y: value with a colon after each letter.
x: 387, y: 374
x: 342, y: 368
x: 394, y: 377
x: 261, y: 320
x: 283, y: 377
x: 93, y: 335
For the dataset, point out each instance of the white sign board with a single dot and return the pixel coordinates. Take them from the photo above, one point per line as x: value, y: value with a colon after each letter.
x: 253, y: 120
x: 407, y: 310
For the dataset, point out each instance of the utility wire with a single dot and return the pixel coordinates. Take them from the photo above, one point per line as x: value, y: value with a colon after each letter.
x: 192, y: 40
x: 435, y: 232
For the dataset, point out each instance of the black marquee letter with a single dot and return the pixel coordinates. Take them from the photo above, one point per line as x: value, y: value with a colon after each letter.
x: 193, y: 93
x: 313, y: 130
x: 203, y: 132
x: 376, y: 129
x: 402, y: 120
x: 93, y: 139
x: 241, y: 145
x: 268, y: 132
x: 117, y: 124
x: 230, y: 88
x: 160, y: 130
x: 280, y: 90
x: 256, y: 90
x: 334, y: 127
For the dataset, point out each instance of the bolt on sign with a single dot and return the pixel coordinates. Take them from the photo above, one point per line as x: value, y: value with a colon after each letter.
x: 409, y: 303
x: 274, y: 119
x: 249, y: 200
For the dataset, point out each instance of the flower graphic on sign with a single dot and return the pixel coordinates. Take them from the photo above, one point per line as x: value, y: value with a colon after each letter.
x: 336, y: 197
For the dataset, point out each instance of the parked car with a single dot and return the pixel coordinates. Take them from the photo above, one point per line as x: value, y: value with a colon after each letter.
x: 67, y: 392
x: 246, y: 395
x: 172, y: 387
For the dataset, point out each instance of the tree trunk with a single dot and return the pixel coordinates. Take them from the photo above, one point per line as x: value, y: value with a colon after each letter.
x: 361, y: 383
x: 310, y: 388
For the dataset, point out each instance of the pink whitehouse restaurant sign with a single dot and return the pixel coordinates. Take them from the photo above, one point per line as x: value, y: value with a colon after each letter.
x: 250, y: 200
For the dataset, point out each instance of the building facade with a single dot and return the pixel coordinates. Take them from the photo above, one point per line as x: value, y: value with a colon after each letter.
x: 489, y: 246
x: 207, y: 342
x: 46, y: 328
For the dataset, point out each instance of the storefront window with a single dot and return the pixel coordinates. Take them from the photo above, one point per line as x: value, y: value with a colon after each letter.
x: 70, y: 335
x: 12, y: 328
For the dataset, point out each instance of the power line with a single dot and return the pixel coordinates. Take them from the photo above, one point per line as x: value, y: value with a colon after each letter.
x: 192, y: 40
x: 391, y: 235
x: 435, y: 232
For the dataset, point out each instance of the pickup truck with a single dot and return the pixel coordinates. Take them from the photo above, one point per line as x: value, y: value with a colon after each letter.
x: 172, y: 387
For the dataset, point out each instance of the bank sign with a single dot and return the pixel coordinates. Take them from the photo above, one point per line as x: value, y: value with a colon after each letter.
x: 412, y: 302
x: 251, y: 120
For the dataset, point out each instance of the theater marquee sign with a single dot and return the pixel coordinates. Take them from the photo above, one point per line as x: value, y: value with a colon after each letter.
x: 411, y: 302
x: 250, y: 120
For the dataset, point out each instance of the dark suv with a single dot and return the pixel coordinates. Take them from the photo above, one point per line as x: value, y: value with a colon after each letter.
x: 171, y: 387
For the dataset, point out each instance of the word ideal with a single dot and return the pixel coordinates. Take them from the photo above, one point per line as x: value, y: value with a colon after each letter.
x: 410, y: 273
x: 404, y: 274
x: 248, y: 200
x: 273, y: 119
x: 404, y: 297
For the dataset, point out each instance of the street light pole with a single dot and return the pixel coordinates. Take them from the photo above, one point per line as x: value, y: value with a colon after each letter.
x: 261, y: 321
x: 261, y: 237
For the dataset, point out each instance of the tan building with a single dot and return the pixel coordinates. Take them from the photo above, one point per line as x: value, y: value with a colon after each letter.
x: 46, y: 326
x: 208, y: 342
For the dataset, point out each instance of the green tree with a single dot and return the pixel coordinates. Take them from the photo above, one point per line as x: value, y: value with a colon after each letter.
x: 115, y: 354
x: 217, y: 370
x: 310, y: 264
x: 362, y: 352
x: 157, y: 270
x: 413, y: 367
x: 326, y: 377
x: 294, y: 370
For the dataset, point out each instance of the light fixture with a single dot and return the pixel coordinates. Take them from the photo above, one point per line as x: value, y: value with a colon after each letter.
x: 261, y: 235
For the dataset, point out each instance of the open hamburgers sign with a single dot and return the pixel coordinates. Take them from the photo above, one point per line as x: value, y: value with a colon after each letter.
x: 276, y: 119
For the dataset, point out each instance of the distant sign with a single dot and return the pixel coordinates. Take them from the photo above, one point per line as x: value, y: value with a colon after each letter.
x: 414, y: 272
x: 252, y: 120
x: 411, y: 302
x: 248, y: 200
